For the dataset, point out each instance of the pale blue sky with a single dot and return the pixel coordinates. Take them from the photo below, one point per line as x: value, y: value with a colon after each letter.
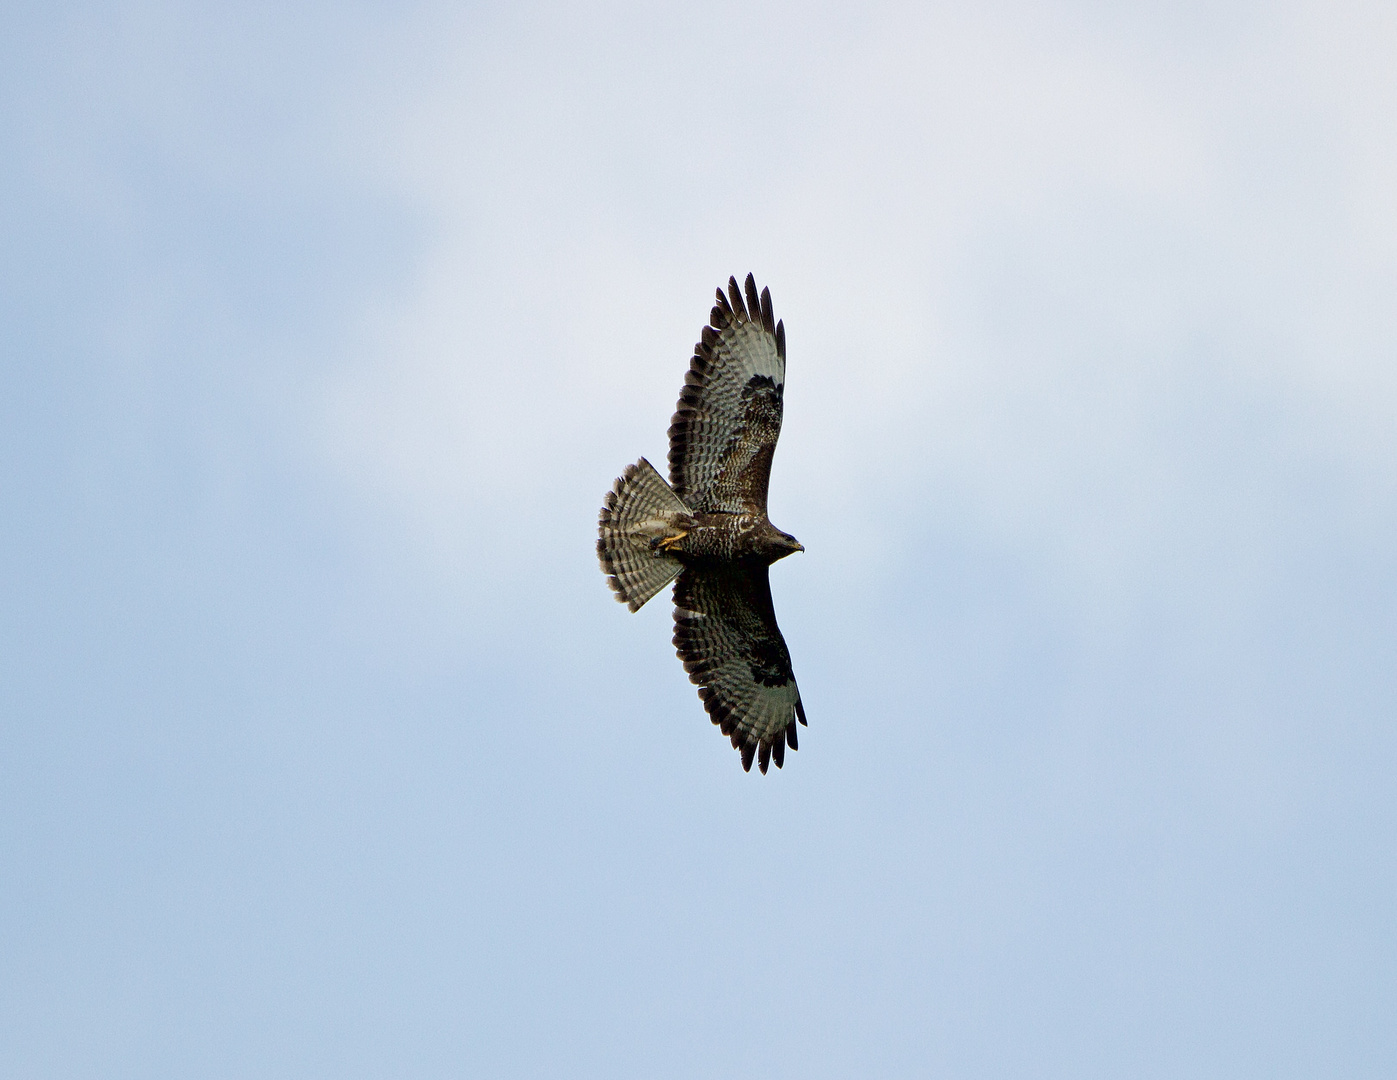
x: 326, y: 751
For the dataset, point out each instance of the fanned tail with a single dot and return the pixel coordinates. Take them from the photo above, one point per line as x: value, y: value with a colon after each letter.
x: 640, y: 510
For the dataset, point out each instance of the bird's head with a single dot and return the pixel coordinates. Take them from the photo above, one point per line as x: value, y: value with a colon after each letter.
x: 784, y: 544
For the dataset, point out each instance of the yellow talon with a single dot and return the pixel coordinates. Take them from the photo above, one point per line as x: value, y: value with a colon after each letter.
x: 669, y: 543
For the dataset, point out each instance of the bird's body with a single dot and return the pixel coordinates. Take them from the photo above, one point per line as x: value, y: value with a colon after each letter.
x: 708, y: 528
x: 732, y: 537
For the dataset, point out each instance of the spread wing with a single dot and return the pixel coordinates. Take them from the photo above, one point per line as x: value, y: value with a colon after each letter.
x: 725, y: 427
x: 725, y: 632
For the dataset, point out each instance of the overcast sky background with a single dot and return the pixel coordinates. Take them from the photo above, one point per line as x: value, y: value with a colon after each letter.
x: 326, y: 752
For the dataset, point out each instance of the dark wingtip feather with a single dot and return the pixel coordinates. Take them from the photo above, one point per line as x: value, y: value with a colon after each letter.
x: 778, y: 751
x: 791, y: 735
x: 800, y: 712
x: 754, y: 303
x: 748, y: 752
x: 764, y: 756
x: 781, y: 340
x: 735, y: 295
x: 768, y: 313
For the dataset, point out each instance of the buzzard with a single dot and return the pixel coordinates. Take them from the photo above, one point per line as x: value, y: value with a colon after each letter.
x: 708, y: 528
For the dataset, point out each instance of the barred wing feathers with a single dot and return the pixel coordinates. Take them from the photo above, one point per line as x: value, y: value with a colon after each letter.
x: 726, y: 634
x: 725, y: 426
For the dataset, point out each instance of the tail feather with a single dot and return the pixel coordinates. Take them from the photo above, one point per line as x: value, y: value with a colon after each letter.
x: 640, y: 510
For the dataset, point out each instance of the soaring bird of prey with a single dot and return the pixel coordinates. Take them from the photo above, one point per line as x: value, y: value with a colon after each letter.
x: 708, y: 527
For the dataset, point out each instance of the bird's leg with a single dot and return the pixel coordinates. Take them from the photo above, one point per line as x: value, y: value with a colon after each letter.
x: 670, y: 543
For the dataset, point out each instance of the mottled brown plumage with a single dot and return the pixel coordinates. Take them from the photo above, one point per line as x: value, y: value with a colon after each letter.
x: 709, y: 528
